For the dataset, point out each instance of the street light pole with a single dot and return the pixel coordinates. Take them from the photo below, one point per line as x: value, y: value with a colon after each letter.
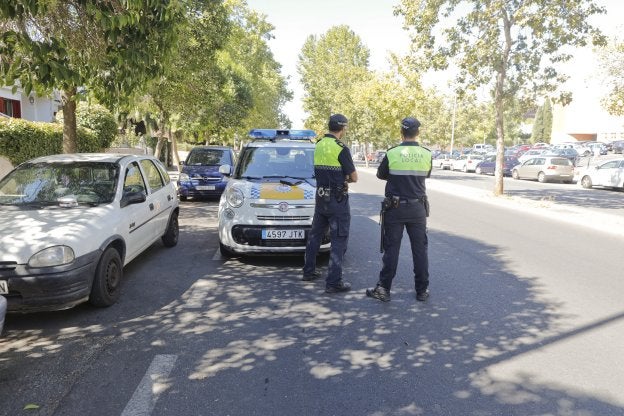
x: 453, y: 123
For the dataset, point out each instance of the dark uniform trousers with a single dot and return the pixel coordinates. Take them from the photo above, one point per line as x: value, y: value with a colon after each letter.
x: 412, y: 217
x: 337, y: 216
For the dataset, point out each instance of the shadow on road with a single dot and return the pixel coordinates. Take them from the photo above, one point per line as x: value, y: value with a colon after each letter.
x: 273, y: 345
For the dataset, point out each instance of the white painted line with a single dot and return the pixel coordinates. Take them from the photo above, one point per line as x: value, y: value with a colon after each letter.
x: 153, y: 383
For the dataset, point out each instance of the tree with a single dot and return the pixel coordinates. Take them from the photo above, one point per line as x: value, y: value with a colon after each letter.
x: 111, y: 48
x: 611, y: 59
x: 542, y: 126
x: 512, y: 46
x: 330, y: 66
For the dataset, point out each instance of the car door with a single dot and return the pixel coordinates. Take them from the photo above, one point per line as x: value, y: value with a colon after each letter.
x: 159, y: 200
x: 524, y: 171
x: 137, y: 214
x: 607, y: 174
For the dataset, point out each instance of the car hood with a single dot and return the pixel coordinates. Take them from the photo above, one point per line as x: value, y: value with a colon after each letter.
x: 194, y: 171
x: 276, y: 190
x: 24, y: 232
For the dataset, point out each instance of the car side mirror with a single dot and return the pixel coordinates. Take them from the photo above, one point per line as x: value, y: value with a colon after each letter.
x: 181, y: 163
x: 225, y: 170
x: 130, y: 198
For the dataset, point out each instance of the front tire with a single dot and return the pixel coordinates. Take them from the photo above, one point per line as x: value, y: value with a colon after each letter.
x: 478, y: 170
x: 541, y: 177
x: 586, y: 182
x: 465, y: 169
x: 225, y: 252
x: 170, y: 238
x: 515, y: 175
x: 106, y: 287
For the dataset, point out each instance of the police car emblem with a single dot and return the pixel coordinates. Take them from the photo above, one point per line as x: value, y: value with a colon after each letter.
x: 282, y: 188
x: 283, y: 206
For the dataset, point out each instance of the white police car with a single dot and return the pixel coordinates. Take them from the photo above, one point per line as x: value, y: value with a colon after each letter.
x: 69, y: 223
x: 268, y: 204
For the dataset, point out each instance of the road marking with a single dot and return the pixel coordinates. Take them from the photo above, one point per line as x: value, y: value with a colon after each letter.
x: 153, y: 383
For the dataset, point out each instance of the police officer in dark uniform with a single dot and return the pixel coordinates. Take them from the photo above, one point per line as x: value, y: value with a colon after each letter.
x: 333, y: 169
x: 405, y: 206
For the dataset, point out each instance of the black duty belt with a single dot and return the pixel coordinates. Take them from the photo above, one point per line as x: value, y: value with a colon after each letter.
x: 409, y: 201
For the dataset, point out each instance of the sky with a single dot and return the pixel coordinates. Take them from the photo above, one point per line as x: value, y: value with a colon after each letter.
x: 382, y: 32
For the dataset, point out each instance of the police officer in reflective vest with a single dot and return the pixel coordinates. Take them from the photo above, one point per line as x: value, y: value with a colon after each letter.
x: 333, y: 169
x: 405, y: 206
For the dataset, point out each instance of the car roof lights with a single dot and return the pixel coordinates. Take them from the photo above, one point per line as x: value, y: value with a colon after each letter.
x: 273, y: 134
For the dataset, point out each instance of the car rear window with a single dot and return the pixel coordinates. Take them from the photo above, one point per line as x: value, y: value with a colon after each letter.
x: 208, y: 157
x: 560, y: 161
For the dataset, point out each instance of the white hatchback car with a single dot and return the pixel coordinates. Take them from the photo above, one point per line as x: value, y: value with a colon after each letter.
x: 69, y: 223
x: 268, y: 204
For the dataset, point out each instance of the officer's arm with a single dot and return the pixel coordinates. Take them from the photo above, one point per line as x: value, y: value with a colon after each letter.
x: 383, y: 170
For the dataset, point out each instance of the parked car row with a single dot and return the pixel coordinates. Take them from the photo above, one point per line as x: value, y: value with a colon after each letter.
x: 545, y: 168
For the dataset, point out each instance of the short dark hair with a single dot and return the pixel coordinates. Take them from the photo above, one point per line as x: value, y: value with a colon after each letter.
x: 409, y: 127
x: 337, y: 122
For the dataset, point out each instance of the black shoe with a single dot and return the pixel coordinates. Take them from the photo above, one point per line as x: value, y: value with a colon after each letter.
x: 379, y: 292
x: 422, y: 296
x: 340, y: 287
x: 307, y: 277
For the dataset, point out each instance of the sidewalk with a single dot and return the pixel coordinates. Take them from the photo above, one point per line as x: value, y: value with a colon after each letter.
x: 578, y: 216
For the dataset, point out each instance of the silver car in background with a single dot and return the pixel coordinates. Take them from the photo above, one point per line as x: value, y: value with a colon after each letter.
x: 545, y: 169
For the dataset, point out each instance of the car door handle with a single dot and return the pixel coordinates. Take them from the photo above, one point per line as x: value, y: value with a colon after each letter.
x: 151, y: 207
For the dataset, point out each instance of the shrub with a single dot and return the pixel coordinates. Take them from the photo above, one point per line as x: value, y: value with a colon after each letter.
x: 21, y: 140
x: 97, y: 118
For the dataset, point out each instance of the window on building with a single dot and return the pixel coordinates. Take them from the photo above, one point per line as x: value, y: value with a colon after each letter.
x: 10, y: 107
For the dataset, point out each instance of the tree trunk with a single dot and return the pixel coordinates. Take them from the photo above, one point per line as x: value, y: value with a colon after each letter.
x: 174, y: 149
x: 499, y: 103
x: 69, y: 121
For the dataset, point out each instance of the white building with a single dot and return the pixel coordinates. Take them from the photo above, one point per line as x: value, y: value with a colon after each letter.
x: 29, y: 107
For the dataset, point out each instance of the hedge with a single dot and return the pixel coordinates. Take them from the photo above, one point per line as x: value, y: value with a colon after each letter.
x: 21, y: 140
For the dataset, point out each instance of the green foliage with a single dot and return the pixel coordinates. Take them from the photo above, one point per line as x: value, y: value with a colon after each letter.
x: 611, y: 59
x: 513, y: 47
x: 113, y: 48
x: 21, y: 140
x: 96, y: 118
x: 542, y: 126
x: 330, y: 67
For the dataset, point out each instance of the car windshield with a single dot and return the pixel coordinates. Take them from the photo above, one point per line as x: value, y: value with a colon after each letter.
x: 62, y: 184
x: 276, y: 162
x: 208, y: 157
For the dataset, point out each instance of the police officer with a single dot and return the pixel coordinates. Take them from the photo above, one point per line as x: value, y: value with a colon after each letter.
x: 333, y: 168
x: 405, y: 206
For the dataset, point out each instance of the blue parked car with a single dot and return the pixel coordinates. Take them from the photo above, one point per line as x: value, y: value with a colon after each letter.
x: 488, y: 165
x: 200, y: 177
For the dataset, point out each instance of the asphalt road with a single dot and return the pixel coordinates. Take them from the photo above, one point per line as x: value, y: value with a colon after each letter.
x: 525, y: 318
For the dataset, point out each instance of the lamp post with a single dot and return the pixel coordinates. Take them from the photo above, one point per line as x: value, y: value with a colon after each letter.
x: 453, y: 123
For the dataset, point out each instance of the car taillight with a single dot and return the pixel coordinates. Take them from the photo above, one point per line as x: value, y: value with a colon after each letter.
x: 554, y: 167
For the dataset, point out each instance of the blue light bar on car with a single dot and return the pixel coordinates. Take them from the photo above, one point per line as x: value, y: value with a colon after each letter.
x: 273, y: 134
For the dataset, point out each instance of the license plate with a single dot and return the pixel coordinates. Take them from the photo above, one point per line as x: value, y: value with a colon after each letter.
x: 205, y: 188
x: 283, y: 234
x: 4, y: 287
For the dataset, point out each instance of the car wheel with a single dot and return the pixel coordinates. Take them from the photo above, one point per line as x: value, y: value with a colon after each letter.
x: 541, y: 177
x: 478, y: 170
x: 225, y: 252
x: 170, y: 238
x: 514, y: 174
x: 586, y: 182
x: 106, y: 287
x: 465, y: 169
